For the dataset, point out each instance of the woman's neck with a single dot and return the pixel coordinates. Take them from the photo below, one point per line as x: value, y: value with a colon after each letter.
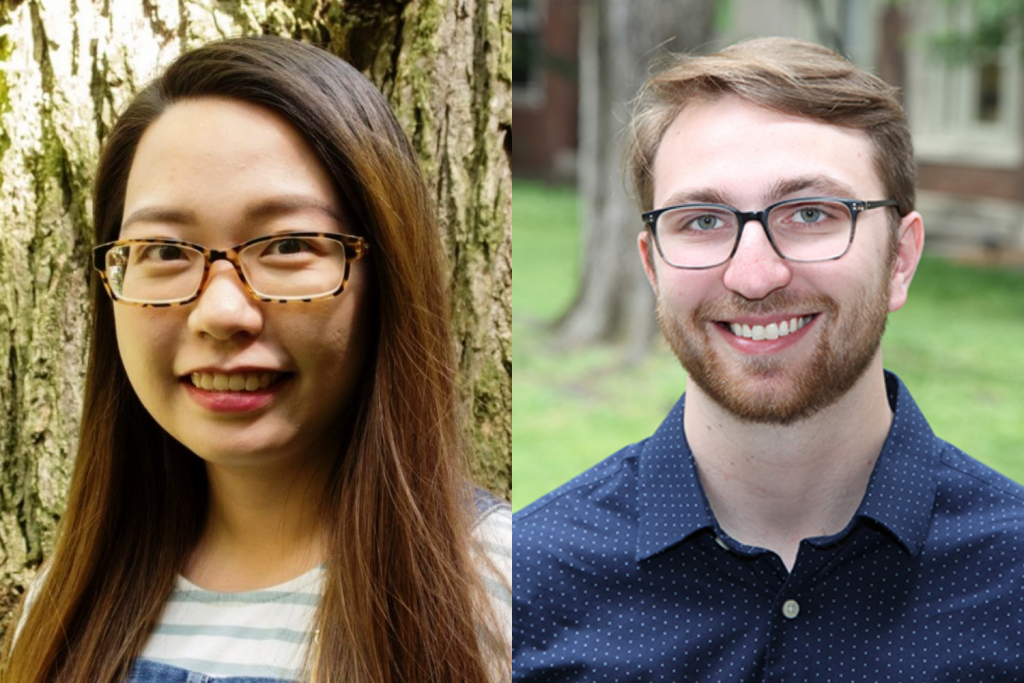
x: 262, y: 529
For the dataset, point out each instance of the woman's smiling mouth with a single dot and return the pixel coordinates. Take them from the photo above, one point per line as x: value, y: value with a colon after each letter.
x: 242, y: 381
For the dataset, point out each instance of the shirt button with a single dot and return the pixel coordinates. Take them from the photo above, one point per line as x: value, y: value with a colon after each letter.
x: 719, y: 541
x: 790, y: 609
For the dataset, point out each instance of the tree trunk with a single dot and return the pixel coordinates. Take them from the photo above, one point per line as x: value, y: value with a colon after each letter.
x: 66, y: 68
x: 617, y: 40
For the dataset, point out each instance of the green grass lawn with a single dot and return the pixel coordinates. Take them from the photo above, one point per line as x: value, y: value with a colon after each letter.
x: 956, y: 344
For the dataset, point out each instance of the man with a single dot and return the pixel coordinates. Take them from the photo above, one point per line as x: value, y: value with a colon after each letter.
x: 794, y: 518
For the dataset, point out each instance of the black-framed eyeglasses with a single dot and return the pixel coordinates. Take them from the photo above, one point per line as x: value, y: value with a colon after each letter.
x: 286, y: 267
x: 805, y: 230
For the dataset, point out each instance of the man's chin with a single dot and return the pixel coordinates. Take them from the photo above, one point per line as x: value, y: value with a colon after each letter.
x: 775, y: 399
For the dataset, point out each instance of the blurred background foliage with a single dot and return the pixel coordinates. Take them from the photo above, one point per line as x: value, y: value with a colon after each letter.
x: 592, y: 374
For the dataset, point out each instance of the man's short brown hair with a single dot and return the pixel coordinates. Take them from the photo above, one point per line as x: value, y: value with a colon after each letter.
x: 785, y: 75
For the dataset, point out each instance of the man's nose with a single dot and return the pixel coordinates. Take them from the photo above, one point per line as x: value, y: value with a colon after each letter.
x: 225, y: 309
x: 756, y: 269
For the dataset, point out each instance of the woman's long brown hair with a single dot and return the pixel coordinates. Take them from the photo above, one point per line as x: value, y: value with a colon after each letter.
x: 404, y: 601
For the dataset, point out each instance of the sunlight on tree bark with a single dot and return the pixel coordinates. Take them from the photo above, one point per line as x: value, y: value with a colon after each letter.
x: 67, y: 67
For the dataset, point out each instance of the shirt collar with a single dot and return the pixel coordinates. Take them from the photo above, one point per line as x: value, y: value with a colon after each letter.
x: 671, y: 501
x: 901, y: 491
x: 900, y: 494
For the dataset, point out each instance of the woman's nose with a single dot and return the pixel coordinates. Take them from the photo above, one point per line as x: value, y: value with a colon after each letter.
x: 225, y: 308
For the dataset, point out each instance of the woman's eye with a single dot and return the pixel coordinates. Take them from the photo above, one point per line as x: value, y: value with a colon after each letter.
x: 291, y: 245
x: 162, y: 252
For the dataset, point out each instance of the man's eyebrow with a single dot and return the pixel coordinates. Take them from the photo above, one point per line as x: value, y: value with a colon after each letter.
x: 703, y: 195
x: 819, y: 185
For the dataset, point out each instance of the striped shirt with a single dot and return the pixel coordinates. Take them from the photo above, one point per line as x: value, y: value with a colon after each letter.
x: 267, y: 633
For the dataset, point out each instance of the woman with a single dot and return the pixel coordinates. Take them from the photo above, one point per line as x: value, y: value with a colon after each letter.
x: 269, y: 482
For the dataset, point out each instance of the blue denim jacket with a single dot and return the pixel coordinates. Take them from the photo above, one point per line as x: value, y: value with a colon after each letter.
x: 145, y: 671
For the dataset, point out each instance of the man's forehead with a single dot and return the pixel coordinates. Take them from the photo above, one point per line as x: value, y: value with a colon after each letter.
x: 737, y: 151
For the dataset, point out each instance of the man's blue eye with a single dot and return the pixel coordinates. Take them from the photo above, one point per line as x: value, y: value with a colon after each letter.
x: 706, y: 222
x: 809, y: 215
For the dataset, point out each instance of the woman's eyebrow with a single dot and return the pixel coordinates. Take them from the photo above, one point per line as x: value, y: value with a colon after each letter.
x: 259, y: 211
x: 157, y: 214
x: 273, y: 207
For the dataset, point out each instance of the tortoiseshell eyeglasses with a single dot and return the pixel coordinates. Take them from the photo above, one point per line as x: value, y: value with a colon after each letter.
x: 292, y: 266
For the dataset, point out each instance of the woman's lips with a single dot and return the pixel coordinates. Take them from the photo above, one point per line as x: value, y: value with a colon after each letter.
x: 239, y: 381
x: 234, y: 392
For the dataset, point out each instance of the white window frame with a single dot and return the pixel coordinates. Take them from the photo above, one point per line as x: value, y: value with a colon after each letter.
x: 942, y: 99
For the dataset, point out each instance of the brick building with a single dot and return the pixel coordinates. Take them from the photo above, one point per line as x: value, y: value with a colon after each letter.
x: 966, y: 118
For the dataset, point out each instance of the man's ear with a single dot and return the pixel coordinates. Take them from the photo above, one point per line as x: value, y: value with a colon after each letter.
x: 646, y: 246
x: 909, y: 246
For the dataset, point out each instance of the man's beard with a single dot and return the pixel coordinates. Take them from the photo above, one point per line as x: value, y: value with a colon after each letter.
x: 771, y: 389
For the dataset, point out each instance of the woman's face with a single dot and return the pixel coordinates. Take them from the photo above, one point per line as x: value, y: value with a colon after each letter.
x: 219, y: 172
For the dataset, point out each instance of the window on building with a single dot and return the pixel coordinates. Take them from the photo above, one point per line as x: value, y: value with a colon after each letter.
x: 962, y: 111
x: 989, y: 91
x: 527, y: 51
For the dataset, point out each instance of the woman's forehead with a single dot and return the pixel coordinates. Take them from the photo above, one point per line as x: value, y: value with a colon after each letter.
x: 213, y: 160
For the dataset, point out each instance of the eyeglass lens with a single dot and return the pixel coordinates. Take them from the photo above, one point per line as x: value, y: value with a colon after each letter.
x: 698, y: 236
x: 286, y: 268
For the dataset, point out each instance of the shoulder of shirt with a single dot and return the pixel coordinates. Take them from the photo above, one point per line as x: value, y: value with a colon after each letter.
x: 579, y: 487
x: 963, y: 465
x: 493, y: 531
x: 497, y: 520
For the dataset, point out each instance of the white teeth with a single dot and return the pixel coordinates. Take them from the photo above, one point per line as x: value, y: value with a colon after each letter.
x: 249, y: 381
x: 770, y: 331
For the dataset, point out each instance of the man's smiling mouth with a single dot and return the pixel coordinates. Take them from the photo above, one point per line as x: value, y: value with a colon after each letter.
x: 770, y: 331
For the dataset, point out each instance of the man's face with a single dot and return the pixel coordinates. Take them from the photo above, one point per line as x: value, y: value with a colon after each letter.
x: 732, y: 152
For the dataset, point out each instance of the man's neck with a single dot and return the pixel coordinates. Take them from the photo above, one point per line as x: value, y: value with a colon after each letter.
x: 771, y: 486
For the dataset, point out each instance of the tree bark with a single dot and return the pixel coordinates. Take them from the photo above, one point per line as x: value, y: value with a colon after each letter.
x: 617, y: 40
x: 67, y: 67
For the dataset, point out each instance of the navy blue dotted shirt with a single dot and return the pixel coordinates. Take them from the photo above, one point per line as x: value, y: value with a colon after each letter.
x: 623, y: 575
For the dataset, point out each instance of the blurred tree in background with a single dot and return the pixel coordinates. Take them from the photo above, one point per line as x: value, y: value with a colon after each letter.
x: 617, y: 41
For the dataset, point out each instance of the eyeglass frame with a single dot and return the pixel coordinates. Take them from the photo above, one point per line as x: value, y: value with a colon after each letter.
x: 354, y: 247
x: 854, y: 206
